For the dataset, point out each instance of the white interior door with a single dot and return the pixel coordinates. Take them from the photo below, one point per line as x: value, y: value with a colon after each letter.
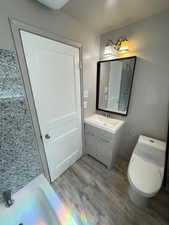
x: 54, y: 75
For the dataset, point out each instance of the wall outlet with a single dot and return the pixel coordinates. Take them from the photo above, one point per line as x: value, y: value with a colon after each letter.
x: 85, y: 104
x: 85, y: 94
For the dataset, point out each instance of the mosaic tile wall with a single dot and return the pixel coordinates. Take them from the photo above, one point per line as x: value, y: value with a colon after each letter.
x: 19, y: 157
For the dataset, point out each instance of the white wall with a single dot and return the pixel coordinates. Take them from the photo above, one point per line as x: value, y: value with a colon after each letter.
x: 31, y: 12
x: 148, y: 112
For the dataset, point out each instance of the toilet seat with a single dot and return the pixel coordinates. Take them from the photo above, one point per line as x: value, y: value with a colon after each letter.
x: 145, y: 176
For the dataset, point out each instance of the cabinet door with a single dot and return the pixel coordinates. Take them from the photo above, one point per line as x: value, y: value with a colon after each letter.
x: 104, y: 151
x: 91, y: 144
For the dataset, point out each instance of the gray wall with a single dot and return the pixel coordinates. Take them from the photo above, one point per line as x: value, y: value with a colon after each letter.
x: 33, y: 13
x: 148, y: 112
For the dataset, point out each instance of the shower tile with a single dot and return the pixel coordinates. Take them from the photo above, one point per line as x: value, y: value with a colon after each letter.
x: 19, y: 156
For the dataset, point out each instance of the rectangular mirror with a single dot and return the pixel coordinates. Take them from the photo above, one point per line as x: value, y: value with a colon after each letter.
x: 114, y: 84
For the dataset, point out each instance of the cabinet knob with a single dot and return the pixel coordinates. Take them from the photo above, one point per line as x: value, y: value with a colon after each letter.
x: 47, y: 136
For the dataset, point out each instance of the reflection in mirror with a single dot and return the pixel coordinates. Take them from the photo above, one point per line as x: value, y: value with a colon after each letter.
x: 114, y: 83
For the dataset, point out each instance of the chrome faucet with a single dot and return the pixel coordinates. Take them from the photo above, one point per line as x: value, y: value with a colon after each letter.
x: 107, y: 115
x: 7, y: 195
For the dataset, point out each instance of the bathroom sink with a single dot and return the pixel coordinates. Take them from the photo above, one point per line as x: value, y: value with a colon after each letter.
x: 105, y: 123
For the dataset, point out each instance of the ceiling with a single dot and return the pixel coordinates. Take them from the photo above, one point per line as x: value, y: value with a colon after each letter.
x: 105, y: 15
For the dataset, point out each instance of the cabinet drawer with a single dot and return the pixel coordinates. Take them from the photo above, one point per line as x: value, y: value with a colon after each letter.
x: 99, y: 132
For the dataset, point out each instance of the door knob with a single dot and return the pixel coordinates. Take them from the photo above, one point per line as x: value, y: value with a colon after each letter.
x: 47, y: 136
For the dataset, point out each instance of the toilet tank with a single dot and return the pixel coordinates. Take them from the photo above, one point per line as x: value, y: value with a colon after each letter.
x: 151, y: 149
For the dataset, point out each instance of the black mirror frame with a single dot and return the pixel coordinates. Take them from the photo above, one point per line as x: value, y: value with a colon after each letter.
x: 98, y: 84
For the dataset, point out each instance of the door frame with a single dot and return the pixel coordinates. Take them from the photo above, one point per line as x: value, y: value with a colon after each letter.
x: 16, y: 26
x: 166, y: 170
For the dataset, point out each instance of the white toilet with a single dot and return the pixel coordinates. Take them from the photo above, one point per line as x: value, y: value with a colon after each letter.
x: 146, y: 169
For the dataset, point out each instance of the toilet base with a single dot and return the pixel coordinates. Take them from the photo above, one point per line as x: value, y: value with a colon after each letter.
x: 136, y: 198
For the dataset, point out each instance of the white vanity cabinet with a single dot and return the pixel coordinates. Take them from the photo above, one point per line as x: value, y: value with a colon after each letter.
x: 100, y: 143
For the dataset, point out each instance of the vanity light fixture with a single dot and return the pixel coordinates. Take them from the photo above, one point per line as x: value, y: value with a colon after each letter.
x: 111, y: 49
x: 123, y: 45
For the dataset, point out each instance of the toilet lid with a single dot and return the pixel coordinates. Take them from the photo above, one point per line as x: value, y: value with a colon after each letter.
x: 145, y: 176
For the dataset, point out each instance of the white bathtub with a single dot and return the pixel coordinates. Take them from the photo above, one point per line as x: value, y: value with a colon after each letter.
x: 35, y: 204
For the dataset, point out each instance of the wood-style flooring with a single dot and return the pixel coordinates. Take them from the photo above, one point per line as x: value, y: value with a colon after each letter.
x: 92, y: 195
